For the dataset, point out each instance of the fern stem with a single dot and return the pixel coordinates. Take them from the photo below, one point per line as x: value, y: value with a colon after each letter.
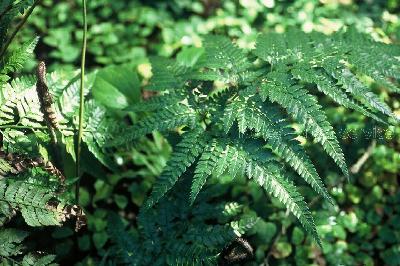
x: 19, y: 27
x: 81, y: 102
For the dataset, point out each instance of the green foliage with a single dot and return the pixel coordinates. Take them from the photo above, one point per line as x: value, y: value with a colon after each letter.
x: 22, y: 119
x: 163, y: 27
x: 244, y: 118
x: 182, y: 233
x: 223, y: 132
x: 12, y: 246
x: 34, y: 203
x: 9, y: 9
x: 11, y: 242
x: 12, y: 61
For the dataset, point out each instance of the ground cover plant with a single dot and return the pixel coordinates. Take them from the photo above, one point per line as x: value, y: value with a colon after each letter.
x: 199, y: 164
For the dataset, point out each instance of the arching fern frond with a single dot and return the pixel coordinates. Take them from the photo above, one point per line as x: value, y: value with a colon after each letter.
x: 248, y: 125
x: 305, y: 109
x: 269, y: 123
x: 169, y: 118
x: 183, y: 156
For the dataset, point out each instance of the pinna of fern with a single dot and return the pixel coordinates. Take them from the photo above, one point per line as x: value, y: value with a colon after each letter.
x: 245, y: 126
x: 12, y: 246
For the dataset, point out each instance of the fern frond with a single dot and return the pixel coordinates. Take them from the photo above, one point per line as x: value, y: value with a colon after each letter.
x: 370, y: 57
x: 125, y: 249
x: 168, y: 75
x: 269, y: 175
x: 212, y: 236
x: 222, y: 54
x: 11, y: 242
x: 272, y: 180
x: 20, y: 97
x: 271, y: 48
x: 37, y: 260
x: 98, y: 127
x: 243, y: 225
x: 183, y: 254
x: 204, y: 168
x: 12, y: 246
x: 352, y: 85
x: 247, y: 132
x: 16, y: 59
x: 183, y: 156
x: 9, y: 10
x: 269, y: 124
x: 168, y: 118
x: 36, y: 203
x: 154, y: 103
x: 305, y: 108
x: 15, y: 164
x: 325, y: 84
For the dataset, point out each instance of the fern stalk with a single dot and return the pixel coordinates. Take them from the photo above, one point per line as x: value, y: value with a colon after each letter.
x: 19, y: 27
x: 81, y: 101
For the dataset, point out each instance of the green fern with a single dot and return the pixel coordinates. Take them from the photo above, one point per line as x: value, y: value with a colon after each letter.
x: 12, y: 246
x: 184, y: 155
x: 22, y: 120
x: 184, y: 234
x: 11, y: 242
x: 9, y: 9
x: 244, y: 127
x: 14, y: 60
x: 33, y: 202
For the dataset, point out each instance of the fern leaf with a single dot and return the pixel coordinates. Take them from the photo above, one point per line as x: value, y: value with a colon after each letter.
x: 184, y: 155
x: 36, y: 260
x: 156, y: 102
x: 35, y: 203
x: 126, y: 249
x: 370, y: 57
x: 326, y: 86
x: 11, y: 242
x: 352, y: 85
x: 220, y: 53
x: 271, y: 179
x: 305, y: 108
x: 269, y: 176
x: 168, y: 75
x: 9, y: 10
x: 97, y: 127
x: 271, y: 48
x: 210, y: 235
x: 243, y: 225
x: 268, y: 123
x: 181, y: 254
x: 68, y: 98
x: 204, y: 168
x: 16, y: 60
x: 20, y: 97
x: 169, y: 118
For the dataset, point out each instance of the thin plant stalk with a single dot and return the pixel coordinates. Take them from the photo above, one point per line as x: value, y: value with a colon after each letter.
x: 81, y: 103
